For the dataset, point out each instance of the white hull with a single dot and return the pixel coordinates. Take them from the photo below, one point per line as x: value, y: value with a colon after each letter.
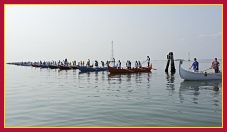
x: 188, y: 75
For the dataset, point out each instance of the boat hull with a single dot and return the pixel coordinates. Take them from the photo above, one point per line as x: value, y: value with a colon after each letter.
x: 44, y: 66
x: 74, y: 67
x: 53, y: 66
x: 91, y: 69
x: 194, y: 76
x: 133, y: 70
x: 35, y: 65
x: 62, y: 67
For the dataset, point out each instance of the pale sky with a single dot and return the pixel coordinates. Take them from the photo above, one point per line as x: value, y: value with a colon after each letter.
x: 46, y: 33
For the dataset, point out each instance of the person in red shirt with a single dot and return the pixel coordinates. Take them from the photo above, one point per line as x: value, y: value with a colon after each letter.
x: 215, y: 65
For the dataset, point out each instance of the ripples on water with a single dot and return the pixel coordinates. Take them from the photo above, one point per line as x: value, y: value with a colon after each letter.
x: 45, y: 97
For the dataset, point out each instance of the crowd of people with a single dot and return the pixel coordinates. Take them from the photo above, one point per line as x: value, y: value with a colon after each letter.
x: 195, y: 65
x: 128, y: 63
x: 112, y: 63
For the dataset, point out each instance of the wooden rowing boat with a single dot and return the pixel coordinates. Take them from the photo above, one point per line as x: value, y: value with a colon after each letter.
x: 44, y: 66
x: 35, y: 65
x: 133, y: 70
x: 188, y: 75
x: 74, y: 67
x: 64, y: 67
x: 53, y: 66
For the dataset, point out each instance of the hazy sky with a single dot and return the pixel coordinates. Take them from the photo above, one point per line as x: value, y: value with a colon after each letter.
x: 45, y: 32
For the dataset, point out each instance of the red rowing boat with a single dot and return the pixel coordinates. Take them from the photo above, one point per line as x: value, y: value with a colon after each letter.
x: 35, y: 65
x: 133, y: 70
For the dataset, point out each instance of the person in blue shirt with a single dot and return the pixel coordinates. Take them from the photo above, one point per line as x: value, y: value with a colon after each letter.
x: 195, y: 65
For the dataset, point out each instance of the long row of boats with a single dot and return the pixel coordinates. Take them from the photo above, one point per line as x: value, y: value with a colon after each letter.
x: 69, y: 67
x: 184, y: 74
x: 96, y: 69
x: 87, y: 68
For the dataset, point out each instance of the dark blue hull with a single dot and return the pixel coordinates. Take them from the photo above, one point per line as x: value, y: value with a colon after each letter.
x: 44, y: 66
x: 92, y: 69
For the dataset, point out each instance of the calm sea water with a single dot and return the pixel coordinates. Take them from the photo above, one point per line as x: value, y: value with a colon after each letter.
x: 46, y: 97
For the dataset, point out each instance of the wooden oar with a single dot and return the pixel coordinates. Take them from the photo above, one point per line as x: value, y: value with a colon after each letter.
x: 148, y: 67
x: 144, y: 61
x: 206, y: 70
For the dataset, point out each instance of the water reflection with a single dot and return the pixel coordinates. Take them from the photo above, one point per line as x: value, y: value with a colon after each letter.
x: 170, y: 78
x: 198, y: 85
x: 148, y: 77
x: 129, y: 85
x: 63, y: 74
x: 74, y: 74
x: 129, y: 77
x: 96, y: 76
x: 194, y: 88
x: 103, y: 75
x: 138, y: 78
x: 85, y: 75
x: 117, y: 78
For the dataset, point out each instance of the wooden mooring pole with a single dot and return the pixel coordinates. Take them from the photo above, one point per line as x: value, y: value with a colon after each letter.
x: 167, y: 65
x: 170, y: 59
